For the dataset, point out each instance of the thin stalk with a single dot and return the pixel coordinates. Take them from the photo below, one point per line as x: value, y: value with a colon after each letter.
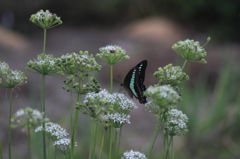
x: 169, y: 144
x: 163, y: 143
x: 43, y: 90
x: 111, y: 79
x: 71, y: 110
x: 155, y: 134
x: 184, y: 64
x: 95, y: 139
x: 9, y: 126
x: 29, y: 143
x: 110, y: 142
x: 119, y: 141
x: 91, y: 141
x: 172, y: 147
x: 44, y: 40
x: 102, y: 144
x: 55, y: 152
x: 115, y: 143
x: 74, y: 133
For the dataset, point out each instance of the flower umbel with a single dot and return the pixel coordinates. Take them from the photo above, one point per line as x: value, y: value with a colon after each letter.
x: 175, y: 123
x: 64, y: 145
x: 163, y: 95
x: 112, y: 54
x: 83, y: 62
x: 170, y: 75
x: 44, y: 64
x: 117, y: 120
x: 133, y: 155
x: 10, y: 78
x: 27, y: 118
x: 191, y: 50
x: 54, y: 131
x: 81, y: 84
x: 45, y: 19
x: 122, y: 104
x: 152, y: 108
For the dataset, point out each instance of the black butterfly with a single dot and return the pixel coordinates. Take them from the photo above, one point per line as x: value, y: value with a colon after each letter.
x: 133, y: 82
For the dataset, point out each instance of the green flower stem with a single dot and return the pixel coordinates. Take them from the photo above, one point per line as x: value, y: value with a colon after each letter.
x: 111, y: 79
x: 110, y: 142
x: 73, y: 139
x: 102, y: 144
x: 115, y: 144
x: 44, y: 40
x: 184, y: 64
x: 119, y: 141
x: 9, y: 125
x: 169, y: 144
x: 91, y: 139
x: 155, y: 134
x: 71, y: 109
x: 95, y: 138
x: 74, y: 133
x: 172, y: 147
x: 55, y: 152
x: 43, y: 90
x: 29, y: 142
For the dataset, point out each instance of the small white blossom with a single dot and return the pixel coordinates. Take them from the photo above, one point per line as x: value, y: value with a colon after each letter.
x: 10, y: 78
x: 73, y: 62
x: 124, y: 102
x: 54, y: 131
x: 45, y: 19
x: 116, y: 119
x: 133, y: 155
x: 163, y: 95
x: 191, y: 50
x: 103, y: 94
x: 152, y: 108
x: 175, y: 123
x: 63, y: 144
x: 112, y: 54
x: 27, y: 117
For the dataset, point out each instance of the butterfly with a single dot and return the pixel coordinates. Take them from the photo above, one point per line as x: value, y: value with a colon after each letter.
x: 133, y: 82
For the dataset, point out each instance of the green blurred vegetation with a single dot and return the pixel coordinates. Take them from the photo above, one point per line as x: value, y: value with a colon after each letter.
x: 219, y: 19
x: 213, y: 118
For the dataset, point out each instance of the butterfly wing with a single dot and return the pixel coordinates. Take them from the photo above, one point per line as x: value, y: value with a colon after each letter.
x: 133, y: 82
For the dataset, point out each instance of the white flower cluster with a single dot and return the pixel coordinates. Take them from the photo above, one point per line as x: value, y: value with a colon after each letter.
x: 152, y: 108
x: 63, y: 144
x: 112, y: 49
x: 175, y: 123
x: 190, y: 50
x: 117, y: 118
x: 124, y: 102
x: 3, y: 67
x: 112, y: 54
x: 163, y: 95
x: 133, y: 155
x: 103, y: 94
x: 118, y: 99
x: 54, y: 131
x: 27, y: 117
x: 45, y: 60
x: 41, y: 15
x: 35, y: 114
x: 10, y: 78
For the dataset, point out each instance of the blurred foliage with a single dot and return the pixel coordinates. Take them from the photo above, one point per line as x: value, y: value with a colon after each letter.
x: 213, y: 118
x: 220, y: 19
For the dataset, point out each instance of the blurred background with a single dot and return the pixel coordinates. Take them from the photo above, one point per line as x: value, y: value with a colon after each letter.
x: 146, y: 29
